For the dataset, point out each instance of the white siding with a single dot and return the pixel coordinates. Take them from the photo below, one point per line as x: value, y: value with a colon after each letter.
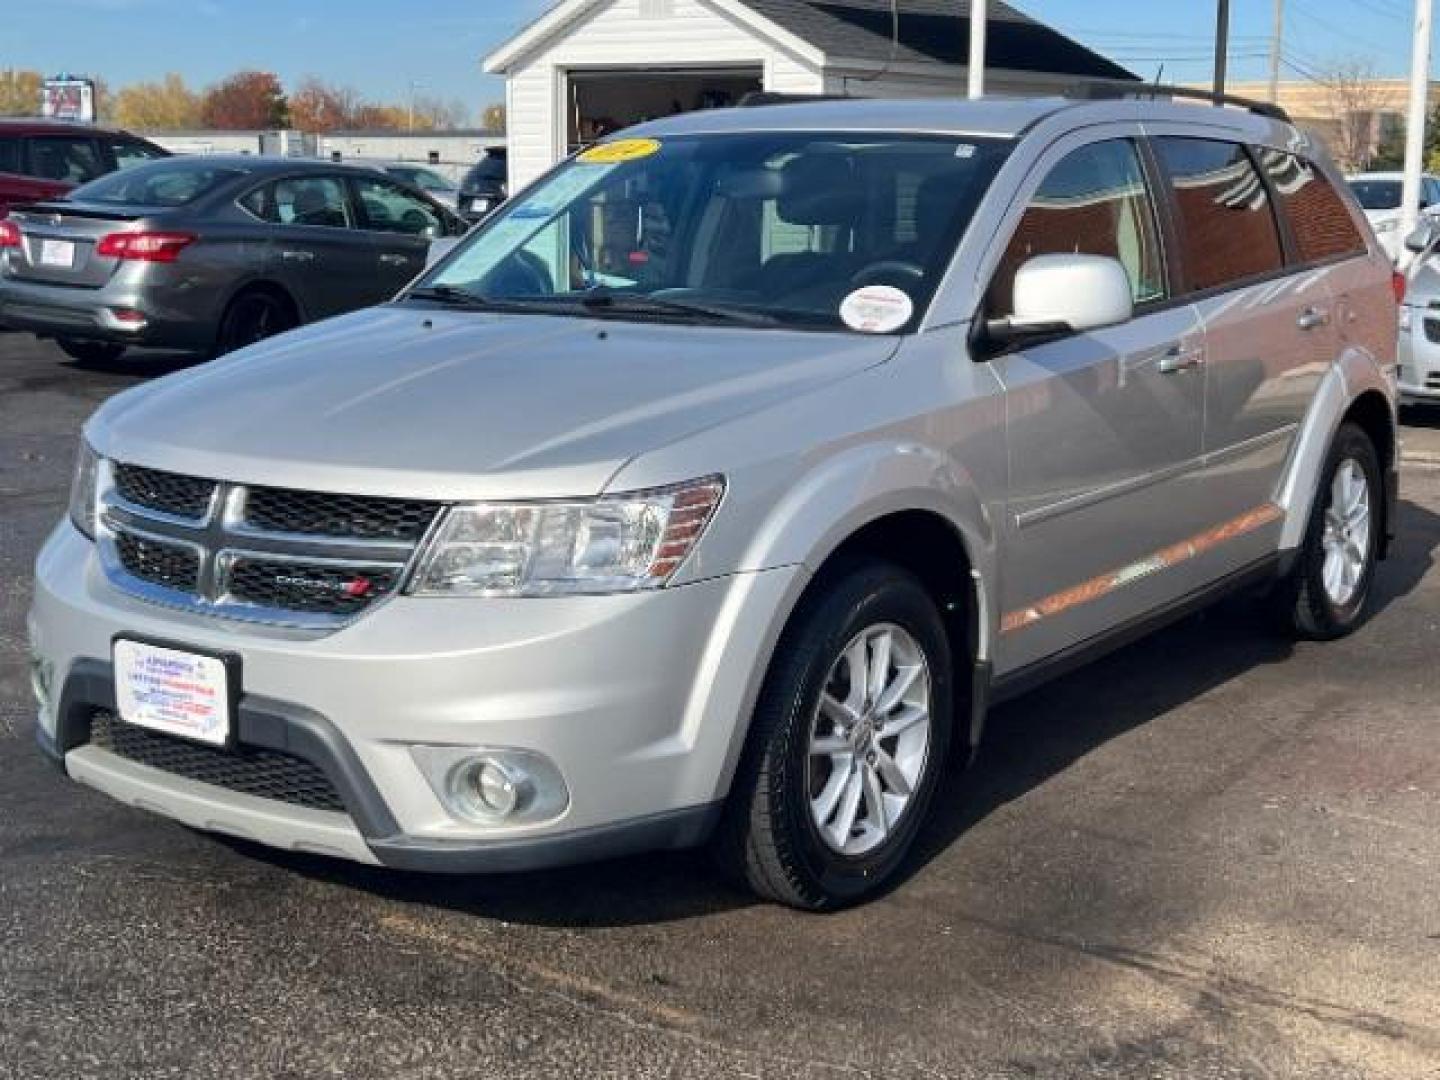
x: 624, y: 34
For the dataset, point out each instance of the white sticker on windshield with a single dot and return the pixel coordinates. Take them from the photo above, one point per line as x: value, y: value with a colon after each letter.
x: 877, y: 309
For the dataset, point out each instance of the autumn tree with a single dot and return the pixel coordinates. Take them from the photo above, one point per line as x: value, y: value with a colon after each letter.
x: 164, y: 106
x: 1354, y: 96
x: 19, y: 92
x: 493, y: 118
x: 246, y: 101
x: 319, y: 106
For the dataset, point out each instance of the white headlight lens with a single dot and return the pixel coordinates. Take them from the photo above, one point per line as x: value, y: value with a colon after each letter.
x: 83, y: 490
x: 618, y: 543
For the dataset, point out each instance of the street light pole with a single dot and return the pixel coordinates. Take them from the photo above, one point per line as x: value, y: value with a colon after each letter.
x: 1415, y: 122
x: 978, y: 21
x: 1275, y: 39
x: 1222, y: 43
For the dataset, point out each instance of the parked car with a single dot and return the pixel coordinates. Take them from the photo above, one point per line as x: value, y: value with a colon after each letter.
x: 42, y: 159
x: 1379, y: 195
x: 714, y: 489
x: 211, y: 253
x: 438, y: 187
x: 1419, y: 354
x: 486, y: 185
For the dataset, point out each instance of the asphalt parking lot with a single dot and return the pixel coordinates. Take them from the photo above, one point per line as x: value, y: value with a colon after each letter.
x: 1215, y: 854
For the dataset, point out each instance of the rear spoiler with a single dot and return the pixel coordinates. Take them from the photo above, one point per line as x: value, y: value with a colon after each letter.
x: 89, y: 210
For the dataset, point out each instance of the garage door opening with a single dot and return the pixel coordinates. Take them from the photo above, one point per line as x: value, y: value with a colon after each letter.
x: 601, y: 102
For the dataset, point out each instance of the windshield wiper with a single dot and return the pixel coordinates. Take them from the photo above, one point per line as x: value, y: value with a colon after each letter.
x: 599, y: 301
x: 455, y: 296
x: 448, y: 294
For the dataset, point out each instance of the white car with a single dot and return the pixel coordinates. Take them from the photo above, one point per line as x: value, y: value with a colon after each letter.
x: 1378, y: 194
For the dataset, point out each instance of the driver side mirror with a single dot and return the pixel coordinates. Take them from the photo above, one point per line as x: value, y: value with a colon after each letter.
x: 1066, y: 294
x: 1425, y: 234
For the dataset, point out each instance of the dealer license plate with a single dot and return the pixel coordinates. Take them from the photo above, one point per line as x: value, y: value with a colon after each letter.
x: 57, y: 253
x: 173, y: 691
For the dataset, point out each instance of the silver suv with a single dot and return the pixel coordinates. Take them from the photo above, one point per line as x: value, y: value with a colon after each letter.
x: 715, y: 488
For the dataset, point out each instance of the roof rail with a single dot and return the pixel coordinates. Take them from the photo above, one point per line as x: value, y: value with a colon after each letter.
x: 1115, y: 91
x: 757, y: 98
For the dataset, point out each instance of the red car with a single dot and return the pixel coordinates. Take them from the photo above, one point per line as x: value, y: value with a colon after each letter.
x: 43, y: 159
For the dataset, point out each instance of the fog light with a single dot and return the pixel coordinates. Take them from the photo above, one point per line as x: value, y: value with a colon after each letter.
x: 493, y: 786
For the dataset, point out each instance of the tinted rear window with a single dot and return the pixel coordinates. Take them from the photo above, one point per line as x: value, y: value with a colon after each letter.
x: 1227, y: 229
x: 1318, y: 217
x: 1377, y: 194
x: 10, y: 155
x: 157, y: 185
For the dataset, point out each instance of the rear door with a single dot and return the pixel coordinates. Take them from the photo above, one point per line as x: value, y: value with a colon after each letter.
x: 316, y: 248
x: 1105, y: 427
x: 401, y: 225
x: 1270, y: 328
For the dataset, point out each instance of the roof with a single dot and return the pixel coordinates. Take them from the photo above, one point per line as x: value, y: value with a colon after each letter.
x: 934, y: 31
x: 44, y: 126
x: 836, y: 31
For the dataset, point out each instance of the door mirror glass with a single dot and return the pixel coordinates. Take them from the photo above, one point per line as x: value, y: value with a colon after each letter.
x: 1076, y: 293
x: 1423, y: 237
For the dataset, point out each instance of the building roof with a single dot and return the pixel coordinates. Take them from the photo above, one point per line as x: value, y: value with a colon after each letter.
x: 934, y: 31
x: 837, y: 31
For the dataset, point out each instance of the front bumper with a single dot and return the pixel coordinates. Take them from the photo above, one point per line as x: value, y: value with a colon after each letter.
x: 1419, y: 356
x: 636, y: 699
x: 91, y: 314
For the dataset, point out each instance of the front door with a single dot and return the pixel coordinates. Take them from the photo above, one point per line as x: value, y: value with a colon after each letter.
x: 400, y: 225
x: 1104, y: 428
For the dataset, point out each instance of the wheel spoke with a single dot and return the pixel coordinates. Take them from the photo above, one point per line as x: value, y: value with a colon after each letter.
x: 856, y: 660
x: 823, y: 805
x: 874, y: 799
x: 879, y: 673
x: 904, y: 679
x: 889, y: 770
x: 829, y: 745
x: 903, y: 721
x: 849, y: 808
x: 837, y: 710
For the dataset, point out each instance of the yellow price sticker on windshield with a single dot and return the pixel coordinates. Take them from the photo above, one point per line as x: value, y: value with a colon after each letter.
x: 621, y: 150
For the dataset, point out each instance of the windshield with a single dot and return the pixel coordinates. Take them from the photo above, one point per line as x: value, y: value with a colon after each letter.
x: 1377, y: 194
x: 787, y: 227
x: 171, y: 183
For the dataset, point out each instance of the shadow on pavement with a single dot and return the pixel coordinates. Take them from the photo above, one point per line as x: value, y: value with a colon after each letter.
x: 1028, y: 741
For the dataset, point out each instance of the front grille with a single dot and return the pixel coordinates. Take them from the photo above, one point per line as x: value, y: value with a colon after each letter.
x: 331, y: 590
x: 317, y: 514
x: 297, y: 558
x: 182, y: 496
x: 266, y: 774
x: 172, y: 565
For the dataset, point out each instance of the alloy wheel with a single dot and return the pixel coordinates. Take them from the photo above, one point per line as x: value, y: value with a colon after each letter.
x: 1346, y: 538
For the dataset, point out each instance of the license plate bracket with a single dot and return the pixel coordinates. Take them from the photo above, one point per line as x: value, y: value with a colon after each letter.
x: 176, y: 689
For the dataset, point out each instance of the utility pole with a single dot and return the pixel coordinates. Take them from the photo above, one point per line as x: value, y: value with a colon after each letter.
x: 978, y: 21
x: 1415, y: 122
x: 1275, y: 38
x: 1222, y: 43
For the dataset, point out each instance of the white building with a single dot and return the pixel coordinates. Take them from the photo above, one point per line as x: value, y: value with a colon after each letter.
x: 588, y: 67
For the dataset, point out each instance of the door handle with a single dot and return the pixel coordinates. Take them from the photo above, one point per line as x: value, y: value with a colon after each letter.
x: 1312, y: 319
x: 394, y: 260
x: 298, y: 256
x: 1177, y: 359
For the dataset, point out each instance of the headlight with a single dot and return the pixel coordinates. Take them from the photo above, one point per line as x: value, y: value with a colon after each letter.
x: 84, y: 490
x: 617, y: 543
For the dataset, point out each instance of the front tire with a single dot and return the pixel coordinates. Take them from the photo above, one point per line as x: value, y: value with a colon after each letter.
x: 91, y: 353
x: 1328, y: 590
x: 847, y: 744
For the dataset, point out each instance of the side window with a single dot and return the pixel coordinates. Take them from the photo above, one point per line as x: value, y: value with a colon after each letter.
x: 260, y: 203
x: 73, y: 159
x: 1094, y: 202
x: 1227, y: 228
x: 131, y: 152
x: 389, y: 208
x: 1318, y: 217
x: 309, y: 200
x: 9, y: 155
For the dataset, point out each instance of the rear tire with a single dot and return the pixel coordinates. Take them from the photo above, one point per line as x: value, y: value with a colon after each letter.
x: 91, y: 353
x: 254, y: 316
x: 1327, y: 591
x: 837, y: 777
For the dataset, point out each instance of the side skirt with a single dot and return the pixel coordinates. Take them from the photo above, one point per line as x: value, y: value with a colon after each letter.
x: 991, y: 690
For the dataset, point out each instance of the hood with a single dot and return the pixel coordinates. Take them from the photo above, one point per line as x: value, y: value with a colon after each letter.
x: 404, y: 401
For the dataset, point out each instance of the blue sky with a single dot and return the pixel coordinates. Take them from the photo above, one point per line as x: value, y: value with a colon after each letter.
x: 379, y: 47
